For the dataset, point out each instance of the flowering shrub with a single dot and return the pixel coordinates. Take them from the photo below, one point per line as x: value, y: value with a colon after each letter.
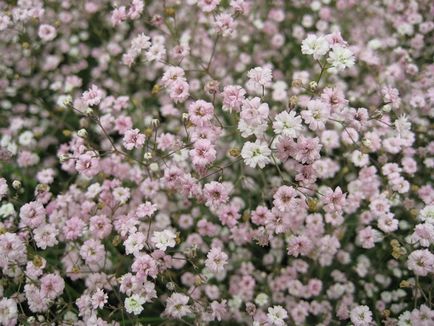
x: 234, y: 162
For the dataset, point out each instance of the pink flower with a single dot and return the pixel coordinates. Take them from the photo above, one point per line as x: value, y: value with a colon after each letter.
x: 93, y: 252
x: 45, y: 236
x: 216, y: 260
x: 52, y: 286
x: 32, y: 214
x: 179, y: 90
x: 73, y: 228
x: 144, y: 265
x: 99, y: 299
x: 133, y: 139
x: 200, y: 112
x: 334, y: 200
x: 367, y: 237
x: 283, y: 198
x: 233, y: 97
x: 118, y: 15
x: 203, y: 153
x: 229, y: 215
x: 100, y: 226
x: 215, y: 194
x: 316, y: 114
x: 93, y: 96
x: 47, y: 32
x: 88, y: 164
x: 307, y: 149
x: 259, y: 77
x: 146, y: 210
x: 421, y: 262
x: 208, y: 5
x: 334, y: 97
x: 299, y: 245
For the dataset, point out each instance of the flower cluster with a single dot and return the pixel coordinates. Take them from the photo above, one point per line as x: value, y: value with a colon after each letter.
x: 238, y: 162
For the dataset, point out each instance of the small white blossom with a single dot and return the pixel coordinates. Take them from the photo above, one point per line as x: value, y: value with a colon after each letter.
x: 164, y: 239
x: 256, y: 154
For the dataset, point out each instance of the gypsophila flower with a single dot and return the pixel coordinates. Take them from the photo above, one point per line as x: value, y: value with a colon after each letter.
x: 134, y: 304
x: 287, y: 124
x: 317, y: 46
x: 277, y: 315
x: 216, y: 260
x: 340, y: 58
x: 164, y: 239
x: 256, y: 154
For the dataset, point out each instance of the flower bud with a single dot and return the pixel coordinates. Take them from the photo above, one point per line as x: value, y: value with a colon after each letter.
x: 212, y: 87
x: 293, y: 100
x: 170, y: 11
x: 154, y: 167
x: 155, y: 123
x: 297, y: 83
x: 313, y: 85
x: 16, y: 184
x: 82, y: 133
x: 234, y: 152
x: 156, y: 89
x: 147, y: 156
x: 63, y: 158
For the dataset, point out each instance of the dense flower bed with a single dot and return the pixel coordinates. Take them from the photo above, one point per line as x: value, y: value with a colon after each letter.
x: 234, y: 162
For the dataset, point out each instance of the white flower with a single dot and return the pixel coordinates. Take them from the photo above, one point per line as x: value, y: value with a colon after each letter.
x: 261, y: 299
x: 361, y: 316
x: 256, y: 153
x: 276, y: 315
x: 121, y: 194
x: 8, y: 311
x: 134, y: 243
x: 26, y: 138
x: 427, y: 214
x: 402, y: 125
x: 133, y: 304
x: 7, y: 210
x: 259, y: 77
x: 359, y: 159
x: 316, y: 46
x: 164, y: 239
x: 340, y: 58
x: 287, y: 124
x: 177, y: 306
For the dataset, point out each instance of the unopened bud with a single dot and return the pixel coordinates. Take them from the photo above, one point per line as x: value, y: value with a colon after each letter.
x: 16, y: 184
x: 116, y: 241
x: 405, y: 284
x: 185, y: 117
x: 297, y: 83
x: 170, y: 11
x: 386, y: 108
x: 147, y: 155
x: 63, y: 158
x: 234, y: 152
x: 67, y: 133
x: 212, y: 87
x: 293, y: 100
x: 156, y: 89
x: 155, y: 123
x: 313, y: 85
x: 89, y: 111
x: 154, y: 167
x: 250, y: 308
x: 82, y: 133
x: 170, y: 286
